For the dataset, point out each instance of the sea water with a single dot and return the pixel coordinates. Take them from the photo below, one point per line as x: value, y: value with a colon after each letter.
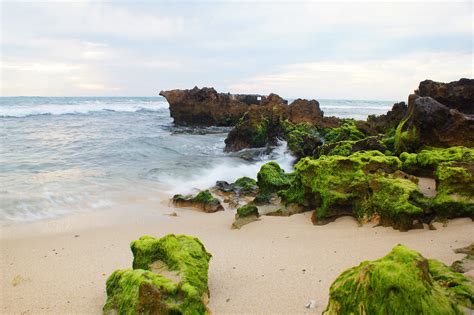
x: 62, y: 155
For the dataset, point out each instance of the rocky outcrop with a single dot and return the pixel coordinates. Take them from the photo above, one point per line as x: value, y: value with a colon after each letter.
x: 391, y: 119
x: 430, y: 123
x: 203, y: 201
x: 169, y: 276
x: 264, y: 125
x: 456, y: 95
x: 348, y: 147
x: 207, y: 107
x: 403, y: 282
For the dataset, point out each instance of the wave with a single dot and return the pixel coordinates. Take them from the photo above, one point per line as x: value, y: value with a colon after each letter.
x: 80, y: 107
x: 231, y: 170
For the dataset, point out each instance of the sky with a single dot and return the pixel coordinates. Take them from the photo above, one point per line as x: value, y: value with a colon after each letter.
x: 376, y: 50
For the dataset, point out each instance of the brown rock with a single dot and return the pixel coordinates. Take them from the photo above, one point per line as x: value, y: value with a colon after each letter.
x: 456, y: 95
x: 385, y: 122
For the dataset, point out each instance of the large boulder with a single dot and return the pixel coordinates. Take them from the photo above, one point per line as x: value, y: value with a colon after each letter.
x: 429, y: 123
x: 403, y: 282
x: 456, y: 95
x: 207, y: 107
x: 169, y: 276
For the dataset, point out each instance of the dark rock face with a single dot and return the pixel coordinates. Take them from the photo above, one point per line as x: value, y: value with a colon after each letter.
x: 430, y: 123
x: 456, y: 95
x: 206, y: 107
x: 385, y: 122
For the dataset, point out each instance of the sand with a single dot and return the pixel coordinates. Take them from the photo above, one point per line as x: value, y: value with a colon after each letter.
x: 273, y: 266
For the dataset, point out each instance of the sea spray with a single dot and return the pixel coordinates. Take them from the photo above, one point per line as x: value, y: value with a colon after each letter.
x: 231, y: 170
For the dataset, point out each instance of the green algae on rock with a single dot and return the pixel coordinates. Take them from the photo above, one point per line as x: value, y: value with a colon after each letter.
x: 303, y: 139
x: 203, y: 201
x: 348, y: 131
x: 272, y: 178
x: 169, y: 276
x: 403, y: 282
x: 336, y: 185
x: 245, y: 185
x: 455, y: 185
x: 426, y: 161
x: 245, y: 215
x: 397, y: 201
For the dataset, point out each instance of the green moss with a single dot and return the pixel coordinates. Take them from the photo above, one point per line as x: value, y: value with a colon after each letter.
x: 303, y: 139
x: 245, y: 184
x: 272, y: 178
x: 457, y: 285
x: 262, y: 199
x: 400, y: 283
x: 455, y: 184
x: 247, y: 210
x: 204, y: 196
x: 426, y: 161
x: 203, y: 200
x: 337, y: 184
x: 150, y: 289
x: 348, y: 131
x: 342, y: 148
x: 397, y: 201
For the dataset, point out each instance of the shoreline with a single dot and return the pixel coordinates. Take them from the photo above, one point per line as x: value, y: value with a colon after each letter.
x: 272, y: 266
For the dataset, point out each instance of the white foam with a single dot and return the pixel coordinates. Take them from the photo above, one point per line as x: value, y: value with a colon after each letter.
x: 230, y: 171
x: 81, y: 107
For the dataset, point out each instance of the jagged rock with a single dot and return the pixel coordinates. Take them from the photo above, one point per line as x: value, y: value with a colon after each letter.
x: 403, y: 282
x: 305, y: 111
x: 169, y: 276
x: 429, y: 123
x: 457, y: 94
x: 203, y: 201
x: 243, y: 185
x: 206, y: 107
x: 384, y: 123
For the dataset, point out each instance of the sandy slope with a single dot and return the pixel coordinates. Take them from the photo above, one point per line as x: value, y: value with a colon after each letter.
x: 273, y: 266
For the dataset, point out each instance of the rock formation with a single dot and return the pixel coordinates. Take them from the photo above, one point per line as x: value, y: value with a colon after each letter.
x: 203, y: 201
x: 206, y: 107
x: 430, y: 123
x: 403, y: 282
x: 456, y: 95
x: 391, y: 119
x: 169, y: 276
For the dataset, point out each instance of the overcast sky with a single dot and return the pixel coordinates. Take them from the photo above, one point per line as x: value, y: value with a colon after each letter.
x: 346, y: 50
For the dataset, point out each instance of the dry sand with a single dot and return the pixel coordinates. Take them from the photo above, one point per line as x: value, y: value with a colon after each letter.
x: 274, y: 266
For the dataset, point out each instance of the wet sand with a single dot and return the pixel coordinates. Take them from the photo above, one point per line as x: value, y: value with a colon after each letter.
x: 273, y: 266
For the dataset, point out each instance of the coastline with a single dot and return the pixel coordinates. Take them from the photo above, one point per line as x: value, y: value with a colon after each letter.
x: 276, y: 265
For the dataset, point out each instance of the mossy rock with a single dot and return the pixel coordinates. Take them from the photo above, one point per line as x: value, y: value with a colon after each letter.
x: 336, y: 185
x: 245, y: 215
x: 203, y: 201
x: 397, y: 201
x: 303, y: 139
x: 348, y: 147
x: 169, y: 276
x: 245, y: 185
x: 403, y: 282
x: 272, y: 178
x: 426, y: 161
x: 348, y: 131
x: 455, y: 185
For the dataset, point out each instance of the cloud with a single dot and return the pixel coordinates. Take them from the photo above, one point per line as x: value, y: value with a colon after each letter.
x: 392, y: 78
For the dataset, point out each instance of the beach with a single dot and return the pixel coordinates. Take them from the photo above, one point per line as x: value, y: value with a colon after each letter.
x: 274, y: 266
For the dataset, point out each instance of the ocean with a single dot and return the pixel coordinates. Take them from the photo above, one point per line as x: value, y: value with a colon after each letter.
x: 64, y: 155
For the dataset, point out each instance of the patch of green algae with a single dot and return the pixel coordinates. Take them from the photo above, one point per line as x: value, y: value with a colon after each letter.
x: 142, y: 291
x: 272, y: 178
x: 337, y: 184
x: 429, y: 159
x: 455, y: 184
x: 403, y: 282
x: 247, y: 210
x: 245, y: 184
x: 303, y: 139
x: 348, y: 131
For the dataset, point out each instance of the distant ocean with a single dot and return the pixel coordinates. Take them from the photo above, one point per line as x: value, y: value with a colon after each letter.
x: 62, y: 155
